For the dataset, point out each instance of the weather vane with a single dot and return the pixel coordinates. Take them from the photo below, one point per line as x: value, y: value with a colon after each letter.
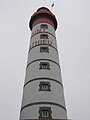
x: 52, y: 6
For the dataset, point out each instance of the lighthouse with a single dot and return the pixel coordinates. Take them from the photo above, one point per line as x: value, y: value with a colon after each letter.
x: 43, y: 97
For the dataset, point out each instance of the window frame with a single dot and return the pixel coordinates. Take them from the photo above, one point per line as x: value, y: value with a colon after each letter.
x: 44, y: 36
x: 44, y: 66
x: 42, y: 86
x: 44, y: 26
x: 44, y: 49
x: 45, y: 113
x: 43, y: 109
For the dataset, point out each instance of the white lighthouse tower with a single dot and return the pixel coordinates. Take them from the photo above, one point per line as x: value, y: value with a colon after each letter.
x: 43, y: 97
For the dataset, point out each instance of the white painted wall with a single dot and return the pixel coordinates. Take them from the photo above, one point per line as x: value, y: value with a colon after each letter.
x: 31, y: 93
x: 32, y: 112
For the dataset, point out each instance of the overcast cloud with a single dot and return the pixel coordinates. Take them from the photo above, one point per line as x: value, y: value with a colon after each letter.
x: 73, y: 38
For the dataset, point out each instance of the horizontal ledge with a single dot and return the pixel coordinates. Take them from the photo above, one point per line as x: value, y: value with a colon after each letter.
x: 43, y: 44
x: 45, y: 60
x: 35, y: 79
x: 45, y: 103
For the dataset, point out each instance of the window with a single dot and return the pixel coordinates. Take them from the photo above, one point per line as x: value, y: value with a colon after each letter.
x: 44, y: 49
x: 44, y: 86
x: 43, y: 36
x: 44, y: 65
x: 44, y: 26
x: 45, y: 112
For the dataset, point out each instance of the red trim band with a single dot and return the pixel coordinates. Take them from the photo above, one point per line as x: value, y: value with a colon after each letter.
x: 42, y: 20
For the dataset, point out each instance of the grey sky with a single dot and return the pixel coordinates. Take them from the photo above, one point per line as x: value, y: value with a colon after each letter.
x: 73, y: 37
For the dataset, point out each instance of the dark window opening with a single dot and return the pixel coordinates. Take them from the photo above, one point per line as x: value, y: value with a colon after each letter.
x: 43, y: 36
x: 44, y: 65
x: 44, y: 86
x: 44, y: 26
x: 44, y: 49
x: 45, y: 112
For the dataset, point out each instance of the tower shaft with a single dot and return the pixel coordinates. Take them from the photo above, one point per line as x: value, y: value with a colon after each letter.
x: 43, y: 97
